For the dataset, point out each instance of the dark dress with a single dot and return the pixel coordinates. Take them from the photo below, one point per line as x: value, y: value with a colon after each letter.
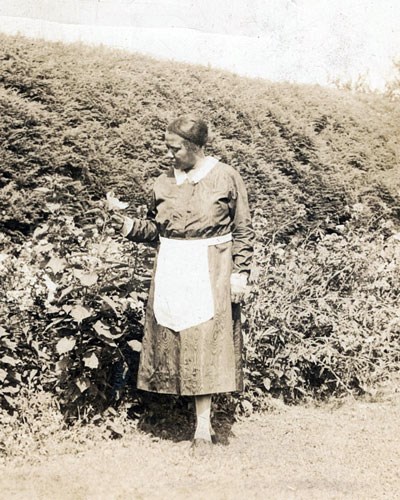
x: 206, y: 358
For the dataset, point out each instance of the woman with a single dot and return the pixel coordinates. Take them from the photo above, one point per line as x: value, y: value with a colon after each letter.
x: 199, y: 212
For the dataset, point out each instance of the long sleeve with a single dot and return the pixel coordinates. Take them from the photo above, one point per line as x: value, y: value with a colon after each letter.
x: 142, y: 230
x: 242, y: 229
x: 214, y: 206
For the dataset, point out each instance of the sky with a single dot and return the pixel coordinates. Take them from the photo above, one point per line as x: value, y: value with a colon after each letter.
x: 306, y: 41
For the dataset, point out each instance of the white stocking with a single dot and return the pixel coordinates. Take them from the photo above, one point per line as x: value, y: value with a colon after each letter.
x: 203, y: 412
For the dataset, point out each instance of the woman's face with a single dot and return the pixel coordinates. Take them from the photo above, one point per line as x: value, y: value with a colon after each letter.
x: 184, y: 153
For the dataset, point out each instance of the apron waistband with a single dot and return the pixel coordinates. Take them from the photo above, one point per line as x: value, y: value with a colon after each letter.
x: 216, y: 240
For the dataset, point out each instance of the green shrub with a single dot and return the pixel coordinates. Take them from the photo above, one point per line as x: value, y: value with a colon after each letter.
x: 321, y: 169
x: 73, y: 307
x: 324, y: 317
x: 99, y: 115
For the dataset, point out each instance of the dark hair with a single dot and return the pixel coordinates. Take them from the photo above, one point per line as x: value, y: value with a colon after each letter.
x: 191, y: 128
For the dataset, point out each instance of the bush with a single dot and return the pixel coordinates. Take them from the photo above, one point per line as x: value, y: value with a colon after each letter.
x: 321, y: 170
x: 73, y: 308
x: 324, y: 317
x: 99, y: 116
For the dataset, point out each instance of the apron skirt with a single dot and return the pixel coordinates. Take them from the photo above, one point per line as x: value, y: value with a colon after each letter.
x: 202, y: 359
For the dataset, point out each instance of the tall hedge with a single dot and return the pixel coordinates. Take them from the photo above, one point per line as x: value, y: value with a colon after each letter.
x: 307, y: 153
x: 321, y: 166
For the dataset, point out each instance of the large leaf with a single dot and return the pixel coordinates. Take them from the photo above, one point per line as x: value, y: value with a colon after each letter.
x: 91, y: 360
x: 267, y: 383
x: 103, y: 330
x: 40, y: 231
x: 53, y: 324
x: 83, y: 384
x: 6, y: 342
x: 8, y: 360
x: 11, y: 390
x: 65, y: 345
x: 247, y: 407
x: 51, y: 286
x: 53, y: 207
x: 3, y: 332
x: 110, y: 303
x: 86, y: 279
x: 56, y: 265
x: 66, y: 291
x: 79, y: 313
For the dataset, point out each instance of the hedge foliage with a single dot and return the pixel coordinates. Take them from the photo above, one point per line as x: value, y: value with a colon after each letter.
x: 321, y: 166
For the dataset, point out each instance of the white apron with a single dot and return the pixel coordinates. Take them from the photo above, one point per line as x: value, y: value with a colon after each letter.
x: 182, y: 289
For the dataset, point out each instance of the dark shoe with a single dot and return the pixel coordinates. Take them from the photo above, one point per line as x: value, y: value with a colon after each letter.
x: 214, y: 438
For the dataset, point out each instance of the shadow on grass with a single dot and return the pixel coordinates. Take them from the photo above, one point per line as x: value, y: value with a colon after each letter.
x: 173, y: 418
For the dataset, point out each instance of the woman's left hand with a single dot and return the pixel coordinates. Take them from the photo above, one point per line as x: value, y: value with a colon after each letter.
x: 238, y: 287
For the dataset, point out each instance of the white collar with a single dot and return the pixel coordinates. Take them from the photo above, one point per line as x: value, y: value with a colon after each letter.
x: 196, y: 173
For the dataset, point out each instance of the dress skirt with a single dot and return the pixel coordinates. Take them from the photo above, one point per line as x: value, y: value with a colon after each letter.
x: 204, y: 359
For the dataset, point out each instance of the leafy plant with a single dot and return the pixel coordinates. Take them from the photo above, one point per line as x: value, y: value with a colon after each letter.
x: 85, y: 305
x: 324, y: 316
x: 321, y: 170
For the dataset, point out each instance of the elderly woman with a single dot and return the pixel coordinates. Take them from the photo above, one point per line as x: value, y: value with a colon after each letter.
x: 199, y: 212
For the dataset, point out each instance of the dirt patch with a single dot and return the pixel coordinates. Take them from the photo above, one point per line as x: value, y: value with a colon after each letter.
x: 348, y: 451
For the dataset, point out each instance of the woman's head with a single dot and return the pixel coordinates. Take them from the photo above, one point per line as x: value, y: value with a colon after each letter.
x: 185, y: 138
x: 191, y: 128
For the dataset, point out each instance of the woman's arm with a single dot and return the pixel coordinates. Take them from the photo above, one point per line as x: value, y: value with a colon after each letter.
x: 142, y: 230
x: 242, y: 229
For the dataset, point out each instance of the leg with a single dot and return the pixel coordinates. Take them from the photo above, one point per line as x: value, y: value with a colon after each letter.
x: 203, y: 412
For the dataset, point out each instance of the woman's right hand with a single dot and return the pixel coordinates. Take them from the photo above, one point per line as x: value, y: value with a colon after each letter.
x: 115, y: 219
x: 108, y: 215
x: 116, y: 222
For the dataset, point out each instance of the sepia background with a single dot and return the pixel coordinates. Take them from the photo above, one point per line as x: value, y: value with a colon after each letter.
x: 309, y: 41
x: 87, y: 89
